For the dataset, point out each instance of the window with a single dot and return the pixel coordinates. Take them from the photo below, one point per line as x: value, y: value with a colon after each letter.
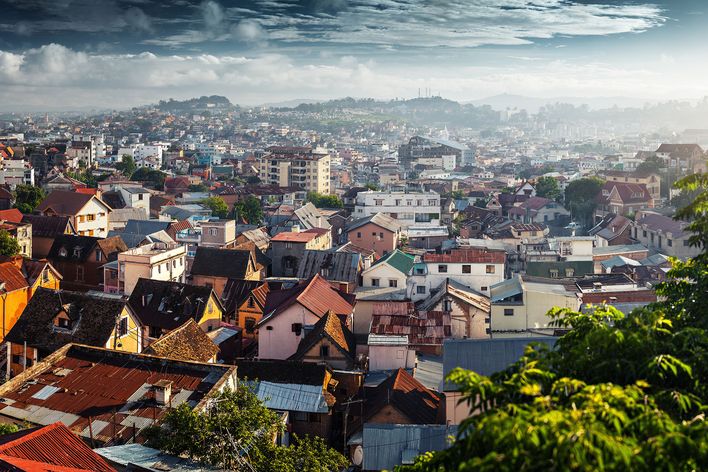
x: 250, y: 324
x: 155, y: 332
x: 447, y: 305
x: 98, y: 255
x: 45, y: 276
x: 288, y: 245
x: 90, y: 217
x: 508, y: 312
x: 213, y: 231
x: 381, y: 235
x: 432, y: 202
x: 373, y: 234
x: 159, y: 268
x: 80, y: 274
x: 644, y: 233
x: 442, y: 268
x: 174, y: 264
x: 685, y: 243
x: 466, y: 269
x: 483, y: 288
x: 140, y: 196
x: 374, y: 282
x: 122, y: 327
x: 358, y: 234
x: 296, y: 328
x: 210, y: 307
x: 324, y: 351
x: 251, y: 303
x: 392, y: 283
x: 64, y: 323
x: 554, y: 273
x: 569, y: 272
x: 419, y: 271
x: 490, y: 269
x: 669, y: 242
x: 420, y: 289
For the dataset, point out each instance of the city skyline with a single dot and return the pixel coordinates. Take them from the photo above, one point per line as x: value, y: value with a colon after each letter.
x: 120, y: 53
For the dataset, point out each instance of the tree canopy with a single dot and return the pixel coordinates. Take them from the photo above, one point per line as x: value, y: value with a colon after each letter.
x: 217, y: 205
x: 250, y: 210
x: 324, y: 201
x: 145, y: 174
x: 618, y: 392
x: 126, y: 165
x: 547, y: 187
x: 236, y: 427
x: 28, y: 197
x: 580, y: 198
x: 8, y: 245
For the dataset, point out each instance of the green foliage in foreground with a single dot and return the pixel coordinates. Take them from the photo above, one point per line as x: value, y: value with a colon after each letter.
x: 8, y: 245
x: 237, y: 427
x: 617, y: 392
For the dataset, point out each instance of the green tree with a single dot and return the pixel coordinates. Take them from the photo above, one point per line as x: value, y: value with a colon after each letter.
x: 217, y: 205
x: 250, y: 210
x: 547, y: 187
x: 198, y: 188
x: 372, y: 186
x: 324, y: 201
x: 580, y: 198
x: 28, y: 197
x: 253, y: 180
x: 8, y: 245
x: 651, y: 164
x: 238, y: 423
x: 618, y: 392
x: 154, y: 176
x: 126, y: 165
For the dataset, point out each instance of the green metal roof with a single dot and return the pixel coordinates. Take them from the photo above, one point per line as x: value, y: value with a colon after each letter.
x: 400, y: 261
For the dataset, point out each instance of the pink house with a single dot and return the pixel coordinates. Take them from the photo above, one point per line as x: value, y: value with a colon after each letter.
x: 378, y: 233
x: 288, y: 311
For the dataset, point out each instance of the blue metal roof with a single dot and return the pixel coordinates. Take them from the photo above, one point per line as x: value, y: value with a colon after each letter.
x: 388, y: 445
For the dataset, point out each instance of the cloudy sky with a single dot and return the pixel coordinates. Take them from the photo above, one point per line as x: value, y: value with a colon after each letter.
x: 119, y: 53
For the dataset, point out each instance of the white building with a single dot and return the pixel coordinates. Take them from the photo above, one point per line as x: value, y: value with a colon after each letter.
x: 156, y: 261
x: 475, y: 268
x: 410, y: 209
x: 16, y: 172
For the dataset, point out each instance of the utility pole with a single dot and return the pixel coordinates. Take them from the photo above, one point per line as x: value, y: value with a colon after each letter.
x: 346, y: 415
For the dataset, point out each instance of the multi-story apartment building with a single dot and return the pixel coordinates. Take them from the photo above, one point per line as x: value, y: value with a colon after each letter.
x: 409, y: 209
x: 300, y: 167
x: 476, y: 268
x: 434, y: 153
x: 156, y: 261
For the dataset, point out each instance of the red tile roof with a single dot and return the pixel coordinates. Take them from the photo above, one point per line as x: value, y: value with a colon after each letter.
x: 407, y: 395
x: 38, y: 449
x: 87, y: 191
x: 316, y: 295
x: 13, y: 215
x: 12, y: 277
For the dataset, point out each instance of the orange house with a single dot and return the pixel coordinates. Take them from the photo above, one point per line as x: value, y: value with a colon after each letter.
x: 19, y: 279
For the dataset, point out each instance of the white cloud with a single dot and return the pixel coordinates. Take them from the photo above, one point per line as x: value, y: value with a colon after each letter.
x: 54, y: 76
x: 248, y: 31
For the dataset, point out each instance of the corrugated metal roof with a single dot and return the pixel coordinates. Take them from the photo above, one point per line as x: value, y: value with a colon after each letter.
x: 152, y: 459
x: 485, y: 356
x: 505, y: 289
x: 291, y: 397
x: 388, y: 445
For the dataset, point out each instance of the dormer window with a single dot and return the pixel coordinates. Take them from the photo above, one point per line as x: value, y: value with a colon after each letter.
x: 63, y: 252
x: 77, y: 252
x: 64, y: 323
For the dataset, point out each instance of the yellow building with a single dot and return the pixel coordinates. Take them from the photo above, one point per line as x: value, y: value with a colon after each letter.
x: 520, y: 305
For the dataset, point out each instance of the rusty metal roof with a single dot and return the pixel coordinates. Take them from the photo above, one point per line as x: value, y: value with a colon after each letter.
x: 425, y: 328
x: 53, y: 445
x: 110, y: 390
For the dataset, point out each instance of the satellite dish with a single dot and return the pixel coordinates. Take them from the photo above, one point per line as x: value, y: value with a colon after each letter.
x: 358, y: 456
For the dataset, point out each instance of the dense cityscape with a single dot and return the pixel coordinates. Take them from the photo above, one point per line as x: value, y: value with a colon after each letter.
x: 480, y: 245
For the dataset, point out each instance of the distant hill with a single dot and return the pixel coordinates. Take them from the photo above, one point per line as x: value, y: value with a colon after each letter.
x: 532, y: 104
x: 214, y: 102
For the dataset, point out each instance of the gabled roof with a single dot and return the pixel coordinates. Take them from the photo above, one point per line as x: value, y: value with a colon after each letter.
x: 12, y: 215
x: 237, y: 291
x: 460, y: 292
x: 227, y: 263
x: 45, y: 226
x: 399, y: 260
x: 257, y: 236
x: 146, y: 226
x: 79, y: 248
x: 12, y: 277
x: 316, y: 295
x: 310, y: 217
x: 329, y: 327
x: 298, y: 236
x: 67, y: 203
x: 40, y: 448
x: 679, y: 149
x: 187, y: 342
x: 610, y: 227
x: 426, y: 328
x: 419, y: 404
x: 379, y: 219
x: 168, y: 305
x: 94, y: 320
x: 657, y: 222
x: 333, y: 266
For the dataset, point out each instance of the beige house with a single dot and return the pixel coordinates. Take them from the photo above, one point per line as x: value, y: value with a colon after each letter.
x: 301, y: 167
x: 520, y: 305
x: 218, y: 233
x: 88, y: 213
x: 156, y: 261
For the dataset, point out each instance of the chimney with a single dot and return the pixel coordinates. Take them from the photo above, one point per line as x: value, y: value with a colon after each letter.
x: 163, y: 392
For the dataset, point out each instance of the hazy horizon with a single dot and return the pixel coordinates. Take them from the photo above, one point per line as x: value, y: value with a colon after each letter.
x: 104, y: 54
